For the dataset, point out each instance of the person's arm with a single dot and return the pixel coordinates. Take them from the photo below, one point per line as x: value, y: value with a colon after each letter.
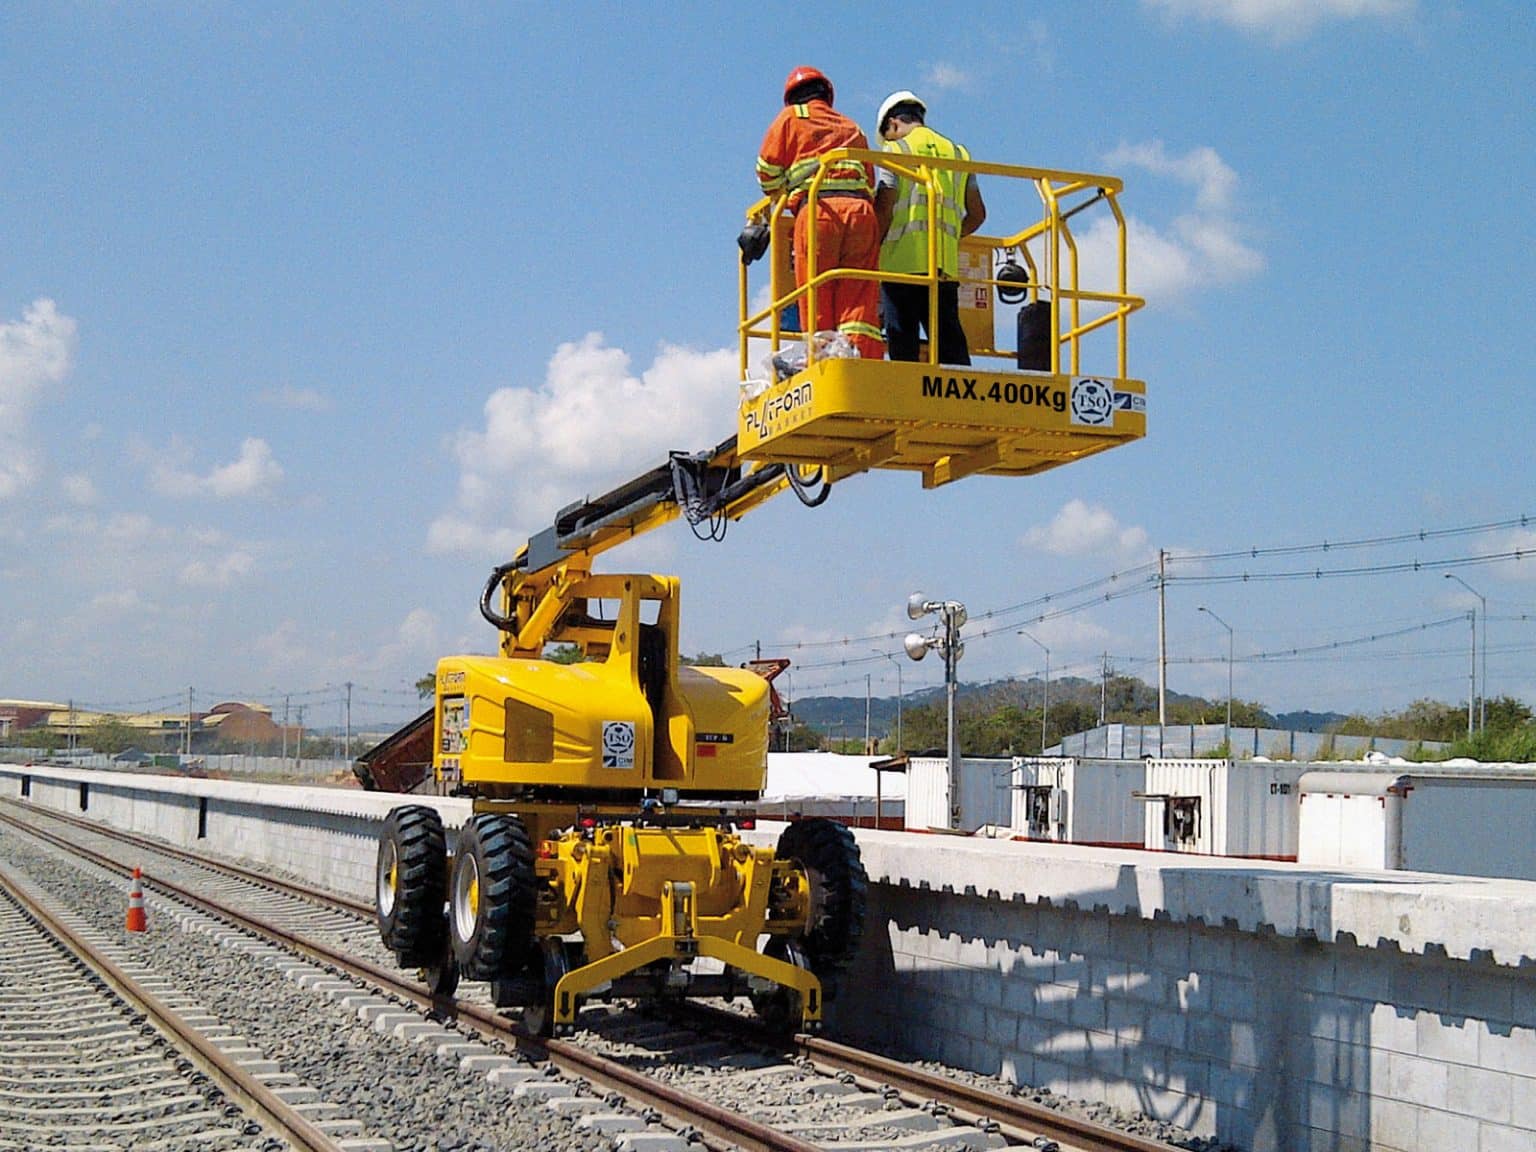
x: 885, y: 199
x: 773, y: 159
x: 975, y: 210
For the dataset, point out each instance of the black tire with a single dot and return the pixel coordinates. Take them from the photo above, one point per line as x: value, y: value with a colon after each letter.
x: 411, y: 884
x: 491, y: 898
x: 829, y: 855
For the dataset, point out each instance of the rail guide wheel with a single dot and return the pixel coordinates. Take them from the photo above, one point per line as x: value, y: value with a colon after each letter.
x: 780, y: 1008
x: 491, y: 897
x: 409, y: 883
x: 545, y: 966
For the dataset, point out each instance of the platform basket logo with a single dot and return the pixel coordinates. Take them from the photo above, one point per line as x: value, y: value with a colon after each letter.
x: 618, y: 744
x: 1093, y: 402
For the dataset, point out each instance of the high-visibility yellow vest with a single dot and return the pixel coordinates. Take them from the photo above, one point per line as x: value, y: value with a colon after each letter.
x: 906, y: 243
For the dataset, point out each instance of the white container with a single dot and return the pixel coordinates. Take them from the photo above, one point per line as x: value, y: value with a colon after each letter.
x: 1073, y: 800
x: 986, y: 793
x: 1474, y: 821
x: 1239, y: 808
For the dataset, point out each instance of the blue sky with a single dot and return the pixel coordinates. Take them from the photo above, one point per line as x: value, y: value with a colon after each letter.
x: 306, y: 320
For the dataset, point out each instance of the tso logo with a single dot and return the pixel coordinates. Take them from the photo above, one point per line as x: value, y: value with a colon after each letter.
x: 1093, y: 402
x: 618, y: 744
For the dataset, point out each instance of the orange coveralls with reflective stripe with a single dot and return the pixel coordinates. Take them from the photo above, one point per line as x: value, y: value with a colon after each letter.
x: 847, y: 234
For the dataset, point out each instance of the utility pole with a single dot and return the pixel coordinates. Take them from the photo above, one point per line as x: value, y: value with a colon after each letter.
x: 1103, y: 689
x: 1482, y: 707
x: 187, y: 747
x: 866, y: 713
x: 1162, y: 645
x: 1472, y: 674
x: 285, y: 729
x: 899, y: 695
x: 347, y: 753
x: 298, y: 755
x: 1045, y: 695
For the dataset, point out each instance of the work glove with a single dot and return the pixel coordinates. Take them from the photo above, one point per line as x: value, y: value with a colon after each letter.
x: 753, y: 242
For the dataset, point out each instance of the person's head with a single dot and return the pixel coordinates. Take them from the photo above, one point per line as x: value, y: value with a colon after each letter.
x: 804, y: 84
x: 899, y: 113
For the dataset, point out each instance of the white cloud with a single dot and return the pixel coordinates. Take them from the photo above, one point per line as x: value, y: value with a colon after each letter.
x: 217, y: 572
x: 1523, y: 542
x: 1282, y: 21
x: 947, y: 76
x: 299, y: 399
x: 1198, y: 248
x: 35, y: 351
x: 254, y: 470
x: 78, y: 489
x: 1083, y: 529
x: 591, y: 424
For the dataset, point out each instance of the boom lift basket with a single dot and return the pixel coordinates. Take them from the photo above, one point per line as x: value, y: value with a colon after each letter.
x: 946, y: 422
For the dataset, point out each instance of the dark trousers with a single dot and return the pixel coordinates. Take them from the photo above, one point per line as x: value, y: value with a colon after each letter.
x: 905, y: 311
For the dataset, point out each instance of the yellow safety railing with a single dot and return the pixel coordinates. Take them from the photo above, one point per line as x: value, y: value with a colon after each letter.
x: 1048, y: 240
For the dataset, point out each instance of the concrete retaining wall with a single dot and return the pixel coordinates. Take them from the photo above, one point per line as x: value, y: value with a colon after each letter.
x: 1271, y: 1005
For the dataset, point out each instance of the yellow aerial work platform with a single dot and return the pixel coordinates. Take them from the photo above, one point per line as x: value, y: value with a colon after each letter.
x: 846, y: 415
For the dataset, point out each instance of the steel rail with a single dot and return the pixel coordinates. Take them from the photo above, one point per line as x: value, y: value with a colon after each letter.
x: 254, y: 1096
x: 1020, y: 1121
x: 684, y: 1109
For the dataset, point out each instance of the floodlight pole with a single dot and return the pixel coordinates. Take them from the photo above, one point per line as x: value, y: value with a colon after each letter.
x: 946, y: 638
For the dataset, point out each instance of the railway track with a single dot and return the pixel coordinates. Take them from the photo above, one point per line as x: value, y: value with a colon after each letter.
x: 97, y: 1051
x: 638, y: 1079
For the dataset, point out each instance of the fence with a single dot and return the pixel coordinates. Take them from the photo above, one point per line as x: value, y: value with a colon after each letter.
x: 1134, y: 741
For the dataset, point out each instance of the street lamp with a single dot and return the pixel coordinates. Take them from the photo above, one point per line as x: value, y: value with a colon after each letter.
x: 1482, y: 707
x: 899, y: 695
x: 946, y: 638
x: 1228, y: 627
x: 1045, y: 695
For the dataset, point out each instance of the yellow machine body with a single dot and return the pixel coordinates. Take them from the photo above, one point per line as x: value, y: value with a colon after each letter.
x: 592, y: 781
x: 626, y: 722
x: 637, y: 895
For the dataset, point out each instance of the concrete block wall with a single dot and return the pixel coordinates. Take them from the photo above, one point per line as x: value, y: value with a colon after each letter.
x: 1271, y: 1042
x: 328, y: 836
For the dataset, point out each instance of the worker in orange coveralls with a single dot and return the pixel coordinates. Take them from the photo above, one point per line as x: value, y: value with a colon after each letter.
x: 847, y: 234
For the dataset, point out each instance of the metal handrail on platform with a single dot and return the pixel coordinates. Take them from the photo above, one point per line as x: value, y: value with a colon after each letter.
x: 1049, y: 247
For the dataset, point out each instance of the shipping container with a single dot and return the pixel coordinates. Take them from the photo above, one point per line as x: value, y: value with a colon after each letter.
x: 986, y: 793
x: 1074, y: 800
x: 1465, y: 821
x: 1243, y: 808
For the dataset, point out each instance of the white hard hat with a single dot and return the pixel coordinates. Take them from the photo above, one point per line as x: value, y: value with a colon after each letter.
x: 894, y: 100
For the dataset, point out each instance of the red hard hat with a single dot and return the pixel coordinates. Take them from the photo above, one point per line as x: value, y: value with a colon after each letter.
x: 804, y: 75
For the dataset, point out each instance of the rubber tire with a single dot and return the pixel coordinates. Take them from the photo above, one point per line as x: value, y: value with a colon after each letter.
x: 493, y: 939
x: 829, y: 855
x: 414, y: 848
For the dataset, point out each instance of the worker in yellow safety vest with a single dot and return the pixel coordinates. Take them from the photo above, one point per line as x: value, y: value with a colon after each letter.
x: 901, y: 207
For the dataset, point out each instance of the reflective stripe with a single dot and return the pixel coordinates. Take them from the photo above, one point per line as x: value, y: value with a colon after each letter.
x: 859, y: 328
x: 905, y: 248
x: 803, y: 111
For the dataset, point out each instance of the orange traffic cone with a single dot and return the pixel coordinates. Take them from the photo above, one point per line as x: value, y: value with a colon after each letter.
x: 136, y: 921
